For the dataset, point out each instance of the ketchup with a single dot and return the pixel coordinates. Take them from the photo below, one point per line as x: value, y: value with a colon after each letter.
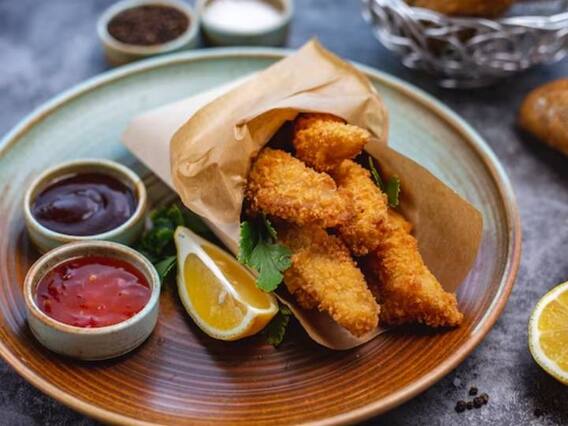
x: 92, y: 291
x: 84, y: 204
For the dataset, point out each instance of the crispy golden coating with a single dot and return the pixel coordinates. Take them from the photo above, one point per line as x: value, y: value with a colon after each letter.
x: 323, y: 275
x: 283, y: 186
x: 544, y: 113
x: 322, y: 141
x: 407, y: 291
x: 368, y: 205
x: 482, y: 8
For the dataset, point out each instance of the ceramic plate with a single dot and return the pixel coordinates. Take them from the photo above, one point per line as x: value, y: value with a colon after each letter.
x: 182, y: 376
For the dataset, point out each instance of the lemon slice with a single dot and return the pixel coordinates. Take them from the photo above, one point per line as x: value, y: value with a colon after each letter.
x: 548, y: 333
x: 218, y: 292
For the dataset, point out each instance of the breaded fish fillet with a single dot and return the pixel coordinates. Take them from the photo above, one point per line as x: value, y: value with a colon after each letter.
x: 322, y: 141
x: 368, y: 205
x: 323, y: 275
x: 405, y: 288
x: 283, y: 186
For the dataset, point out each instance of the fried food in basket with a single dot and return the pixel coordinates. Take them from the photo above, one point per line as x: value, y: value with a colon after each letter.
x: 544, y: 113
x: 480, y: 8
x: 364, y: 230
x: 283, y: 186
x: 406, y: 289
x: 323, y: 141
x: 323, y: 275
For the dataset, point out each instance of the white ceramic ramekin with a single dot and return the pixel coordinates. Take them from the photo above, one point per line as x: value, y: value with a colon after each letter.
x: 45, y: 239
x: 119, y: 53
x: 273, y: 36
x: 91, y: 343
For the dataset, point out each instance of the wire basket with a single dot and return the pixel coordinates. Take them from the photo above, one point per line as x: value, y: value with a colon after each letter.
x: 471, y: 52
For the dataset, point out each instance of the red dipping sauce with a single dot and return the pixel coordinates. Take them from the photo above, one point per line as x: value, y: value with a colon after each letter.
x: 93, y: 291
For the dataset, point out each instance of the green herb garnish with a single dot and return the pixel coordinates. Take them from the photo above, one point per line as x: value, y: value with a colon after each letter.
x: 259, y: 250
x: 393, y: 191
x: 276, y: 329
x: 392, y: 187
x: 157, y: 243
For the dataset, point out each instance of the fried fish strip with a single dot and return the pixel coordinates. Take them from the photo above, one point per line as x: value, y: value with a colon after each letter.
x: 405, y: 288
x: 323, y: 275
x: 283, y: 186
x: 322, y: 141
x: 362, y: 232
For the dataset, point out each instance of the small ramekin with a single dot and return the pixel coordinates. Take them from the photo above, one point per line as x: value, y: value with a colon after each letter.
x: 274, y: 36
x: 91, y: 343
x: 45, y: 239
x: 119, y: 53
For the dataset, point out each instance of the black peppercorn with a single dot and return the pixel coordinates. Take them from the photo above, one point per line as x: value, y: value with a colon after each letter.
x: 469, y: 405
x: 460, y: 406
x: 477, y: 402
x: 485, y: 398
x: 473, y: 391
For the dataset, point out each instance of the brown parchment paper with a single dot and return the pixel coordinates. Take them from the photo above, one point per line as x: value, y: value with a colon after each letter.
x: 223, y: 130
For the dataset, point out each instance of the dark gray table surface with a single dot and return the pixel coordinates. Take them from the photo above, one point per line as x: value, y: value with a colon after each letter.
x: 47, y: 46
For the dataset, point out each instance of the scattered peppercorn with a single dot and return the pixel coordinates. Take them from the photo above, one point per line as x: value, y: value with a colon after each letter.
x: 485, y: 398
x: 460, y: 406
x: 473, y: 391
x: 538, y: 412
x: 148, y: 25
x: 477, y: 402
x: 469, y: 405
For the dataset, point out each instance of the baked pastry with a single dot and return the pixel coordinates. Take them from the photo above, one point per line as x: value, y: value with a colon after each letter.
x: 481, y: 8
x: 544, y: 113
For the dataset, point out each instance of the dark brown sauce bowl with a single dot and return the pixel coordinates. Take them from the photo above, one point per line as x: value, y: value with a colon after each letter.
x: 45, y: 239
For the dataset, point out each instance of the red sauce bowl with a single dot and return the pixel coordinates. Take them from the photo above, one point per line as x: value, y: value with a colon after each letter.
x: 108, y: 327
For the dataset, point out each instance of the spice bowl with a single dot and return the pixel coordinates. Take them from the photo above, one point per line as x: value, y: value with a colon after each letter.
x: 127, y: 232
x: 94, y: 343
x: 250, y: 23
x: 118, y: 52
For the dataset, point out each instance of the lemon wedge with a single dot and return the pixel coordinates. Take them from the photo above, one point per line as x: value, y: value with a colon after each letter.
x: 217, y: 291
x: 548, y: 333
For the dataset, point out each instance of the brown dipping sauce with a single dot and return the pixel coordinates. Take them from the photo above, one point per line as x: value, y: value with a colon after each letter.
x: 84, y: 204
x: 148, y: 25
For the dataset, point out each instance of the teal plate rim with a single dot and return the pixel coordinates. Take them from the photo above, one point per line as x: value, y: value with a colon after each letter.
x: 481, y: 148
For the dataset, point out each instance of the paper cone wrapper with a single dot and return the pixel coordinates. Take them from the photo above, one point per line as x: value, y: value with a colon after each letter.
x: 203, y: 148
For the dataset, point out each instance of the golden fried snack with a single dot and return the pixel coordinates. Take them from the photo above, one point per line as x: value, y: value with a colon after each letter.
x: 322, y: 141
x: 481, y: 8
x: 544, y: 113
x: 283, y: 186
x: 363, y: 231
x: 323, y: 275
x: 407, y: 291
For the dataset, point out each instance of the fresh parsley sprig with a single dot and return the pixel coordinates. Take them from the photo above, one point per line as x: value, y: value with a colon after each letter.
x: 157, y: 243
x: 276, y: 328
x: 392, y: 186
x: 259, y: 250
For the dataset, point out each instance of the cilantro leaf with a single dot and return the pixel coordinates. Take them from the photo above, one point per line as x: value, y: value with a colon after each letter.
x: 258, y: 250
x: 270, y: 260
x: 392, y: 187
x: 165, y: 266
x: 375, y: 174
x: 157, y: 243
x: 276, y: 329
x: 247, y: 242
x: 393, y: 191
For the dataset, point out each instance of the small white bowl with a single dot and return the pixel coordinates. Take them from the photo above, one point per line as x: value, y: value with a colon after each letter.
x: 273, y: 36
x: 91, y: 343
x: 119, y: 53
x: 45, y: 239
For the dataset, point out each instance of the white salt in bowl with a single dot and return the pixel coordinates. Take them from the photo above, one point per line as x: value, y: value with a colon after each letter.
x: 228, y: 23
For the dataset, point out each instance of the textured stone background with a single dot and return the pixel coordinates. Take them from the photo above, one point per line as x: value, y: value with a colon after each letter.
x: 47, y: 46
